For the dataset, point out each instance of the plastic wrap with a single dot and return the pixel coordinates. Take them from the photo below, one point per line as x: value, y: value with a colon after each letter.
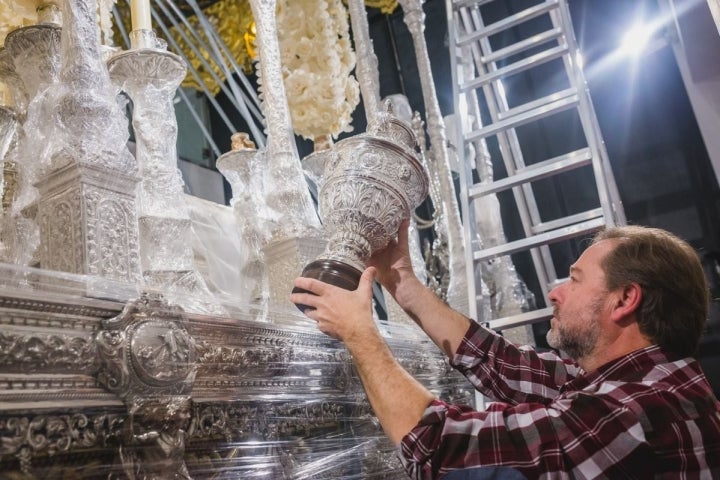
x: 8, y: 139
x: 14, y: 14
x: 15, y: 88
x: 31, y: 64
x: 285, y: 188
x: 218, y: 249
x: 450, y: 240
x: 367, y: 63
x: 8, y: 127
x: 150, y: 77
x: 103, y: 384
x: 242, y: 168
x: 103, y: 380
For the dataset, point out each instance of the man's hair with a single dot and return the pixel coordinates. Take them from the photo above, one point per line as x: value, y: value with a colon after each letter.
x: 675, y: 299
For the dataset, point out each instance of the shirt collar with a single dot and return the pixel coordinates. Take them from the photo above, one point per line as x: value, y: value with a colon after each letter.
x: 633, y: 365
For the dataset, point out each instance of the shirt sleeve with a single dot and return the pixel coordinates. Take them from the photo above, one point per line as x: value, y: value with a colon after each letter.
x: 584, y: 435
x: 507, y: 373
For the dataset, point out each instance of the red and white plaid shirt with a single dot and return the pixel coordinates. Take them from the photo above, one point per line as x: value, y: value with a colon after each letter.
x: 644, y: 415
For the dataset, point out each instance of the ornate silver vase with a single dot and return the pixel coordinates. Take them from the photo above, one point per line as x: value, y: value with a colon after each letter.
x: 371, y: 182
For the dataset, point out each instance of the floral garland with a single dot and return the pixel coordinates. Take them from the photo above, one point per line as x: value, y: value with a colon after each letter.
x: 317, y: 61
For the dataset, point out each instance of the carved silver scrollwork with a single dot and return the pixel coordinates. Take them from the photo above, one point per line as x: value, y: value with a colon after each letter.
x: 372, y: 184
x: 34, y: 352
x: 23, y: 437
x: 146, y: 350
x: 148, y: 359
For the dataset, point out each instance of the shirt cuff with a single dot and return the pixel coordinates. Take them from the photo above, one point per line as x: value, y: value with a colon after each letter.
x: 474, y: 346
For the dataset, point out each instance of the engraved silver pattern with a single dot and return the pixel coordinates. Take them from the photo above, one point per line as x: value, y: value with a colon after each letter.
x: 372, y: 183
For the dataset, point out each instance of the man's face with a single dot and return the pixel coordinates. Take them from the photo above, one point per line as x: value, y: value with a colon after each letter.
x: 580, y: 305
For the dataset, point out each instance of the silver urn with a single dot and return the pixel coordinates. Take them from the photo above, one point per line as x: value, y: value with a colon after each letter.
x: 370, y: 184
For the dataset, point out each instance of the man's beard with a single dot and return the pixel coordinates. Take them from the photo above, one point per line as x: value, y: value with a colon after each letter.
x: 577, y: 341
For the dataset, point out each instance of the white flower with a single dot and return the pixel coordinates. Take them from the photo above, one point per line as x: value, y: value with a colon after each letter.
x: 317, y: 63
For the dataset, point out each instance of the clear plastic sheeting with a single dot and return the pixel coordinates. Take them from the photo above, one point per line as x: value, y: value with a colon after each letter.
x: 8, y: 127
x: 30, y: 65
x: 100, y: 383
x: 89, y: 126
x: 150, y: 77
x: 330, y: 457
x: 284, y: 187
x: 242, y: 168
x: 218, y: 250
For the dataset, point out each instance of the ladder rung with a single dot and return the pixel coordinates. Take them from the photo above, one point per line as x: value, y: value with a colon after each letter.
x: 526, y: 44
x: 509, y: 22
x: 534, y: 172
x: 469, y: 3
x: 529, y: 116
x: 526, y: 318
x: 517, y: 67
x: 540, y: 102
x: 562, y: 222
x: 539, y: 240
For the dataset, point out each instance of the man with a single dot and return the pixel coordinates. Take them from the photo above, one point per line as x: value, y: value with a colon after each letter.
x: 633, y: 404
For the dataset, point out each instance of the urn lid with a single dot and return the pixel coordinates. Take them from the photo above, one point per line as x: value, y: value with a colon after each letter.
x: 393, y: 128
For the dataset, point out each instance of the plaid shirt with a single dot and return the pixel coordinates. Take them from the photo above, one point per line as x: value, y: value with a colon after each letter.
x: 644, y: 415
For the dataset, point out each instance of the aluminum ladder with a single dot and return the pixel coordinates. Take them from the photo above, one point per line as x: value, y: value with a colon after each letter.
x: 478, y: 75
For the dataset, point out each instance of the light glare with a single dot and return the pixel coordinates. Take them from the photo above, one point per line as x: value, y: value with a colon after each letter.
x: 579, y: 60
x: 636, y: 39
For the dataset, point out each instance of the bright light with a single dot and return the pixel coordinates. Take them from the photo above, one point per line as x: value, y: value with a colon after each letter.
x: 636, y: 39
x: 579, y: 60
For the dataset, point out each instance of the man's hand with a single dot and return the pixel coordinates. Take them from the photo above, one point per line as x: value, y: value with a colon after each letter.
x: 397, y: 399
x: 343, y: 314
x: 393, y: 264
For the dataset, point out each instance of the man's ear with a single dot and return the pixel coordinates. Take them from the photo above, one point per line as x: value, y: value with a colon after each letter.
x: 627, y: 302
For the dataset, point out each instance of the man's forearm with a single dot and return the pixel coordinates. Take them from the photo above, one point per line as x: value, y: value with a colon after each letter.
x: 397, y: 399
x: 442, y: 324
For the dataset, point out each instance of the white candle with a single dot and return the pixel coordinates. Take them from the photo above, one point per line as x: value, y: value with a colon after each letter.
x: 140, y: 14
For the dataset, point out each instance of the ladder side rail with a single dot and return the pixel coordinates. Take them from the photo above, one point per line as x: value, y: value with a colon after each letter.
x: 524, y: 196
x: 607, y: 187
x: 586, y: 114
x: 465, y: 168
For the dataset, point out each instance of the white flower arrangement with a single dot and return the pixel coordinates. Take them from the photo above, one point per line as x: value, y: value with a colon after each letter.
x: 317, y: 61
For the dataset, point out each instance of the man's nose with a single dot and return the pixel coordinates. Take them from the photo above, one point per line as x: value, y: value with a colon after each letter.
x: 555, y: 294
